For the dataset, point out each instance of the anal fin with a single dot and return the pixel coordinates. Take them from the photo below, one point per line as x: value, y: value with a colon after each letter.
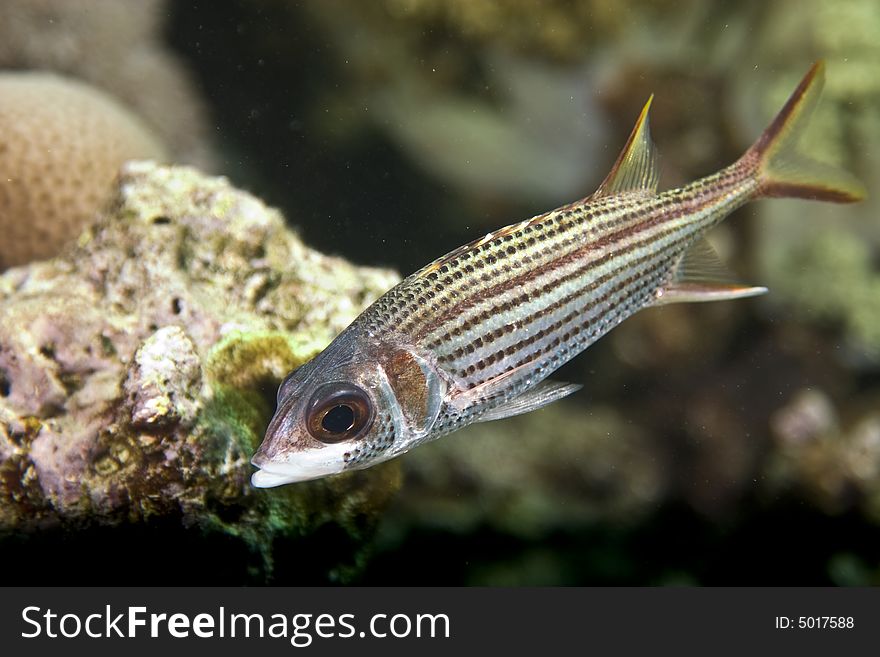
x: 697, y: 292
x: 700, y: 276
x: 542, y: 394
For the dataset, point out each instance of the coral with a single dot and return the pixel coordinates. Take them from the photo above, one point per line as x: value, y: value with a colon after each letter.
x: 162, y: 382
x: 137, y: 371
x: 118, y: 47
x: 61, y: 146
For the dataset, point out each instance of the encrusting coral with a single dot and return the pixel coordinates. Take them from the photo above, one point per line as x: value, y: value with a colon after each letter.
x: 137, y: 370
x: 61, y: 146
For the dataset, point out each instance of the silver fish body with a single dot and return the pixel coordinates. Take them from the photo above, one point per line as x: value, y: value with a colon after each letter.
x: 473, y: 335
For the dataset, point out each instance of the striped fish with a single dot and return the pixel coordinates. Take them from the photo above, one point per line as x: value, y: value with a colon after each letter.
x: 473, y: 335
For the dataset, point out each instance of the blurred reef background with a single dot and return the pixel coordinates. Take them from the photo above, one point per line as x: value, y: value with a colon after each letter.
x: 148, y: 310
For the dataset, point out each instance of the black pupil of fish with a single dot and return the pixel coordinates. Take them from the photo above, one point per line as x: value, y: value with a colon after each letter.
x: 338, y: 419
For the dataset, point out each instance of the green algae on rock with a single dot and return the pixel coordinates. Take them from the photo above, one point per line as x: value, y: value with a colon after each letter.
x: 137, y: 371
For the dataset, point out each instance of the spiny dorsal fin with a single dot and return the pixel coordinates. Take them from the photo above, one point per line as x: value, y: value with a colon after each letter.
x: 636, y: 167
x: 701, y: 276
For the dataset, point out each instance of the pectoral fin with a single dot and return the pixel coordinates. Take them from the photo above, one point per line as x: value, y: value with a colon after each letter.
x: 701, y: 276
x: 544, y: 393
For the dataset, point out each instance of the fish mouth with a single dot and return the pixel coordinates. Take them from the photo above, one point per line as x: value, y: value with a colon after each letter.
x: 306, y: 467
x: 265, y: 479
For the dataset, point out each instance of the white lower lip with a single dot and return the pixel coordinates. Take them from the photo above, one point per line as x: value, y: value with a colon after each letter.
x: 263, y: 479
x: 281, y: 474
x: 308, y: 465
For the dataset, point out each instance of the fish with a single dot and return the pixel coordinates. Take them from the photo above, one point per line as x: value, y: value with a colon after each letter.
x: 473, y: 336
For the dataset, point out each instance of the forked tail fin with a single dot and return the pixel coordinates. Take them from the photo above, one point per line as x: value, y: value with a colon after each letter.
x: 784, y: 172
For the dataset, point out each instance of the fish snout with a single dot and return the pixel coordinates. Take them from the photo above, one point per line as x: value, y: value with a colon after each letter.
x: 260, y: 458
x: 291, y: 463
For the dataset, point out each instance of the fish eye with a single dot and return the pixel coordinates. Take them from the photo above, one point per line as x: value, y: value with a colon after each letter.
x: 338, y: 419
x: 339, y: 411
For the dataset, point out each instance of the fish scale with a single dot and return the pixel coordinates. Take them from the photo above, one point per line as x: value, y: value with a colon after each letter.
x: 590, y: 251
x: 473, y: 335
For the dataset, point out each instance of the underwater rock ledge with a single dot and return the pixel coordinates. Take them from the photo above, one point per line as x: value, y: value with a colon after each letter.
x: 138, y: 371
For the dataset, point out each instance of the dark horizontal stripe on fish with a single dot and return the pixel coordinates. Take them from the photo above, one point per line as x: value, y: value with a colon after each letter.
x: 460, y: 307
x: 583, y: 311
x: 531, y: 319
x: 557, y: 350
x: 575, y: 213
x: 421, y: 288
x: 547, y: 289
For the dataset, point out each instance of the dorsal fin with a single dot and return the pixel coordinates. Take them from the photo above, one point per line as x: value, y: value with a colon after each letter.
x: 636, y: 167
x: 701, y: 276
